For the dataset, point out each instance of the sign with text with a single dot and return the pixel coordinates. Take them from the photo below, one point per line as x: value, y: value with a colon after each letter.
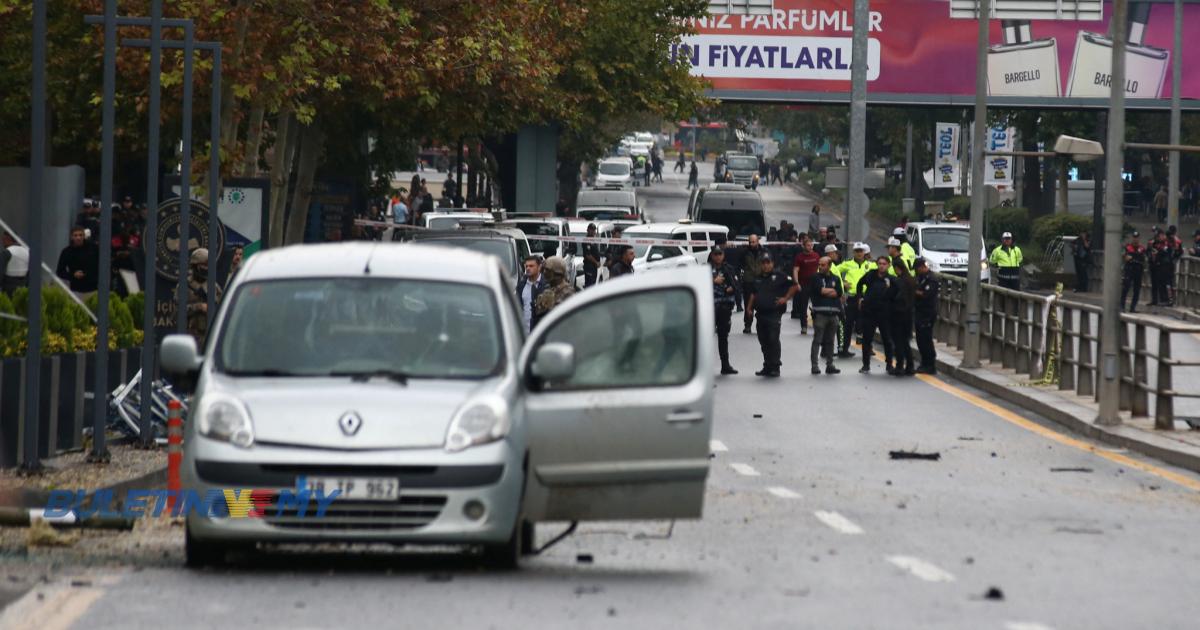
x: 945, y: 155
x: 918, y: 53
x: 998, y: 169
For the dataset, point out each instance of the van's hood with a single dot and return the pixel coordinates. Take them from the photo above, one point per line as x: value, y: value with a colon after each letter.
x: 305, y: 411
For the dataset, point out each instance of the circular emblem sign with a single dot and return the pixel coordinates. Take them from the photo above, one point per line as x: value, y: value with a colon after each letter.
x: 167, y: 239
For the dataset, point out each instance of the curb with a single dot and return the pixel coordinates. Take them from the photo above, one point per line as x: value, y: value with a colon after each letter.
x: 1074, y: 417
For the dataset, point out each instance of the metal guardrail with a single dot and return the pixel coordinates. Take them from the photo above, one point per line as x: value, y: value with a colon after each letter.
x: 1016, y: 332
x: 1187, y: 280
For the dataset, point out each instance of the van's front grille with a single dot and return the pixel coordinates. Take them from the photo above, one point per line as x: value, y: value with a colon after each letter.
x: 412, y: 511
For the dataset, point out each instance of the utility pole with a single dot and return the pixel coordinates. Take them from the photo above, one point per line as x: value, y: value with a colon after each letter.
x: 858, y: 122
x: 974, y: 256
x: 37, y: 173
x: 1110, y: 320
x: 100, y: 384
x: 1176, y: 88
x: 908, y: 163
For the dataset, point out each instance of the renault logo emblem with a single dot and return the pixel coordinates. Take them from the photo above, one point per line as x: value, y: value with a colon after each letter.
x: 350, y: 422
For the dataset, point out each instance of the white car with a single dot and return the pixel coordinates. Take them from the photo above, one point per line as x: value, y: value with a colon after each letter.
x: 654, y: 256
x: 533, y: 226
x: 615, y: 172
x: 407, y: 399
x: 944, y: 247
x: 455, y: 220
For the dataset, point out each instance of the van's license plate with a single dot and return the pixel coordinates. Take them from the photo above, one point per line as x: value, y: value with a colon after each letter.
x: 357, y: 488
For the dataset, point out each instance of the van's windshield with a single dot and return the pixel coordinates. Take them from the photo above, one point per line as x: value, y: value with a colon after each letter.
x: 741, y: 223
x: 944, y: 240
x: 343, y: 326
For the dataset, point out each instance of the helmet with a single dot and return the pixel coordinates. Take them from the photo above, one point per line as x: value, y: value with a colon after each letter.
x: 555, y: 269
x: 200, y: 256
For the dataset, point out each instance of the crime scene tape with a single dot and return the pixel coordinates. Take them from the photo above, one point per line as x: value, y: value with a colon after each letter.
x: 561, y: 239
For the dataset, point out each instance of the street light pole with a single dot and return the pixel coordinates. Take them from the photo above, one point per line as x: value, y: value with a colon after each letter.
x: 185, y: 187
x: 150, y: 290
x: 1110, y: 320
x: 37, y: 173
x: 858, y: 121
x: 970, y: 358
x: 1176, y: 81
x: 104, y: 285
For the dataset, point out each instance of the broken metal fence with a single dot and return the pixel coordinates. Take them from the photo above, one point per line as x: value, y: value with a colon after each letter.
x: 1022, y: 331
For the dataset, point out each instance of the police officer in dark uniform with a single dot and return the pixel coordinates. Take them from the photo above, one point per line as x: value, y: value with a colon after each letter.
x: 724, y: 288
x: 876, y: 292
x: 591, y: 258
x: 770, y: 294
x: 926, y: 316
x: 1135, y: 265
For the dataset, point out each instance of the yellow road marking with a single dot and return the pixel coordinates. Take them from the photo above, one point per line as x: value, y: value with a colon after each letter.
x: 1050, y: 434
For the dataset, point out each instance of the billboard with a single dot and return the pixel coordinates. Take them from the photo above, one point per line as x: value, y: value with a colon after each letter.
x: 918, y: 54
x: 945, y: 155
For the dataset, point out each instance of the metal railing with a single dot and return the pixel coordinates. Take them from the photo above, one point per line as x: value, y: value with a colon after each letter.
x: 1019, y: 331
x: 1187, y: 280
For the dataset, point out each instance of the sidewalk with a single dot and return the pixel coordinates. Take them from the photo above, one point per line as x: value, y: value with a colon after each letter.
x: 1077, y: 413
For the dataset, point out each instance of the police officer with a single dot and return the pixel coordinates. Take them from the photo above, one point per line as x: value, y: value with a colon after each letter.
x: 876, y: 291
x: 825, y: 295
x: 197, y: 307
x: 1135, y: 266
x: 770, y: 294
x: 835, y: 260
x: 751, y: 269
x: 591, y: 258
x: 895, y: 249
x: 851, y: 272
x: 1162, y: 264
x: 724, y: 287
x: 926, y: 316
x: 1007, y: 258
x: 906, y: 250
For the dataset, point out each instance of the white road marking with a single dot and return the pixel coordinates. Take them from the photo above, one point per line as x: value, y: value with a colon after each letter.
x: 921, y: 569
x: 783, y: 493
x: 1026, y: 625
x: 717, y: 446
x: 744, y: 469
x: 838, y: 522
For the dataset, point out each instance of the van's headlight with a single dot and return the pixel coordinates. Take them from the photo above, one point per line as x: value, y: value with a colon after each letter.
x: 226, y: 419
x: 478, y: 422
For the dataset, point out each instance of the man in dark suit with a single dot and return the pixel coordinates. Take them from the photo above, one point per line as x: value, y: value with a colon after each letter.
x: 529, y: 287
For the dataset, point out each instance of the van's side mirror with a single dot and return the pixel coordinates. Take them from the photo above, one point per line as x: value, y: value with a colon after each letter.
x: 554, y: 362
x: 178, y: 355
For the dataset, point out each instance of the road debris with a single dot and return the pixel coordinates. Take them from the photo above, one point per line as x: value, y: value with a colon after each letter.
x: 41, y: 534
x: 1072, y: 469
x: 964, y: 438
x: 584, y: 558
x: 994, y: 594
x: 933, y: 457
x: 1079, y: 530
x: 758, y: 415
x: 588, y: 590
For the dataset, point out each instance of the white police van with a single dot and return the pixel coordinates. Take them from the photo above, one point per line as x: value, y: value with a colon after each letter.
x: 945, y: 247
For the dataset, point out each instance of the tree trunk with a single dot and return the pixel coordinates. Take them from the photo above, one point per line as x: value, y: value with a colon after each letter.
x: 229, y: 104
x: 254, y: 139
x: 281, y: 168
x: 312, y: 141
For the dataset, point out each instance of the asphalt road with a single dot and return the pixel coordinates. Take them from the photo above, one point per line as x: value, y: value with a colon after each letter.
x: 808, y: 523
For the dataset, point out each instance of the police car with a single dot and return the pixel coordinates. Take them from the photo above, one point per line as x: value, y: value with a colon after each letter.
x: 944, y: 246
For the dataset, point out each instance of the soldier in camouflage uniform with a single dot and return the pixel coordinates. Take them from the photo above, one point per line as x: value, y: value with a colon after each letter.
x: 197, y: 309
x: 557, y: 288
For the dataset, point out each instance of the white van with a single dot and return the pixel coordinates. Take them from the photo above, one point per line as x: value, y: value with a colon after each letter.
x: 653, y: 256
x: 615, y: 172
x: 944, y: 247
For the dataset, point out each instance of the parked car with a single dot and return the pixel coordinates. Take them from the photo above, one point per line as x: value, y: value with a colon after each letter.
x: 411, y: 390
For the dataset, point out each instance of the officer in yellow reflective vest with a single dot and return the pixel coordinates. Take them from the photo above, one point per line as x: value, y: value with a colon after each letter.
x: 896, y: 250
x: 906, y: 250
x: 851, y: 271
x: 1007, y: 258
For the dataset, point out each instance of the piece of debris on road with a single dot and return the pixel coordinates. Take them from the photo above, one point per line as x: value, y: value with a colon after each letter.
x: 914, y: 455
x: 1078, y: 470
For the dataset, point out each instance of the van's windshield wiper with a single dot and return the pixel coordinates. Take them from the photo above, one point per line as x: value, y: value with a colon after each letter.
x: 366, y: 375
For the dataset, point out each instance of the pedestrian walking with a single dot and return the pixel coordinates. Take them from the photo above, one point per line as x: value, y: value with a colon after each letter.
x: 556, y: 290
x: 1135, y: 265
x: 681, y: 163
x: 876, y: 291
x: 814, y: 219
x: 693, y: 176
x: 825, y: 293
x: 769, y: 297
x: 926, y: 316
x: 804, y: 265
x: 724, y: 288
x: 851, y: 272
x: 624, y: 264
x: 776, y: 172
x: 1160, y: 203
x: 901, y: 319
x: 1081, y: 252
x: 751, y: 269
x: 1007, y: 258
x: 529, y: 288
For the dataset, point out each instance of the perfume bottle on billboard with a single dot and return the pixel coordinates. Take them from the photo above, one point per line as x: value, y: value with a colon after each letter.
x: 1023, y: 66
x: 1145, y: 66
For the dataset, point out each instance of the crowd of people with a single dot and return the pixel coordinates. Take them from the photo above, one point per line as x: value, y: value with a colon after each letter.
x: 842, y: 298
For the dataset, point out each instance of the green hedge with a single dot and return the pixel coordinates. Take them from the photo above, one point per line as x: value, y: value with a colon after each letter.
x: 959, y: 206
x: 1046, y: 229
x: 818, y: 164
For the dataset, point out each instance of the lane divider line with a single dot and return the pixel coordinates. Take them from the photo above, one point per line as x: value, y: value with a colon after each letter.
x: 838, y: 522
x: 921, y: 569
x: 717, y: 446
x: 1026, y: 625
x: 744, y: 469
x: 783, y: 493
x: 1050, y: 434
